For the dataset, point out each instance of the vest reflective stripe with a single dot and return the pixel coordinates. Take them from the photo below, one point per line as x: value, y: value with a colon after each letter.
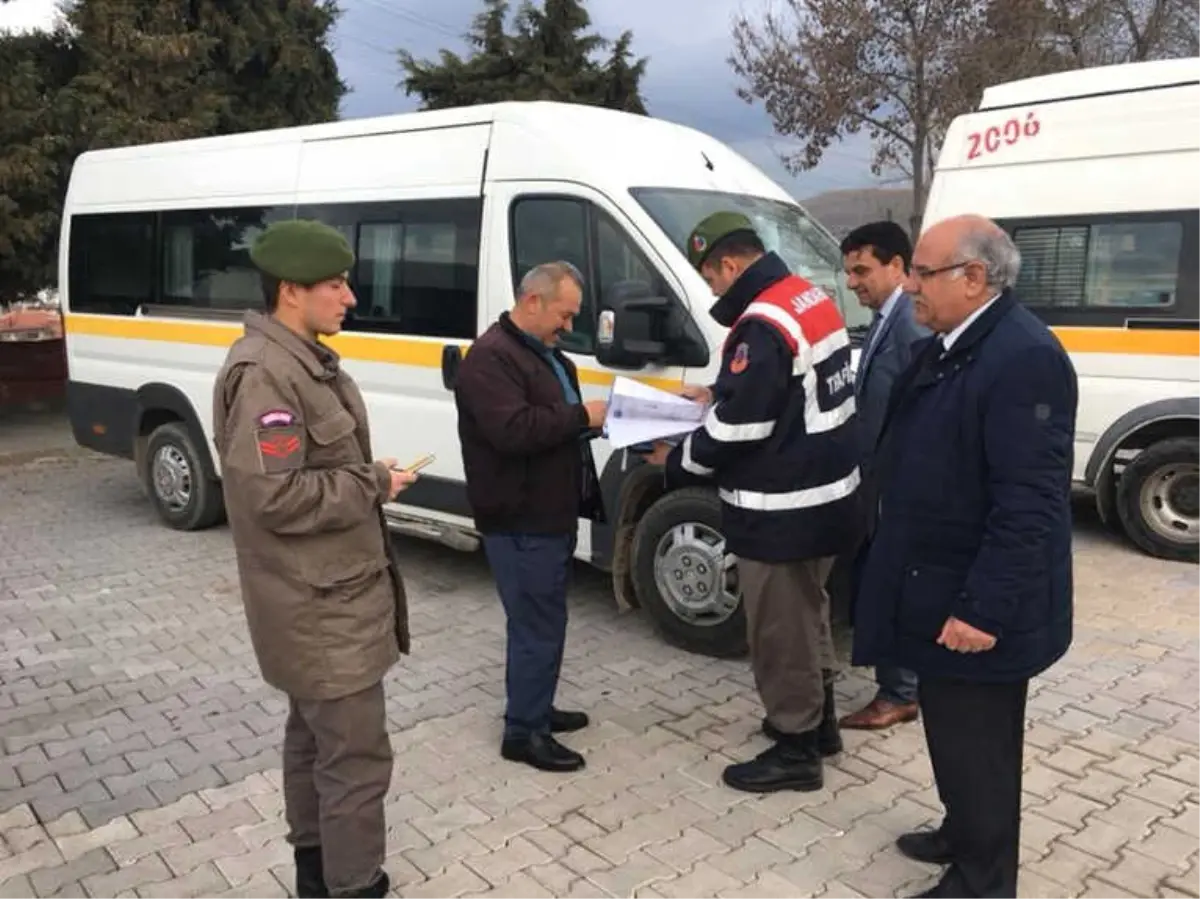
x: 690, y: 465
x: 817, y: 420
x: 812, y: 327
x: 820, y: 495
x: 739, y: 433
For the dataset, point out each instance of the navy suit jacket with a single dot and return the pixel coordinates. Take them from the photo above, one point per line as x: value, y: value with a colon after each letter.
x: 974, y: 473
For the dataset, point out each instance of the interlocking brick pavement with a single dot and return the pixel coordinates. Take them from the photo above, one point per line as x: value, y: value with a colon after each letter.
x: 141, y: 748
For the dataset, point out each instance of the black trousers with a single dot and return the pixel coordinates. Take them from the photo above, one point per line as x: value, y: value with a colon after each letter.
x: 976, y: 737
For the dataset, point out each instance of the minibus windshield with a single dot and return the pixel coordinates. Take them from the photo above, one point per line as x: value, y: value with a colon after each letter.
x: 787, y: 229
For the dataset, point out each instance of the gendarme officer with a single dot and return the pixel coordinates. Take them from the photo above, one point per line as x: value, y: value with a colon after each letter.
x: 780, y: 443
x: 323, y: 596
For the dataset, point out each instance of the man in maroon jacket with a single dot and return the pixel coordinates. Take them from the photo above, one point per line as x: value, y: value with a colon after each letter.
x: 525, y: 435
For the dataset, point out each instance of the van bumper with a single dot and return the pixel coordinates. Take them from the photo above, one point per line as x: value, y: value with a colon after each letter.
x: 103, y: 418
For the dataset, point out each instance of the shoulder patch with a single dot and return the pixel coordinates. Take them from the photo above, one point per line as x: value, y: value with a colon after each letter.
x: 741, y: 358
x: 279, y: 449
x: 276, y: 418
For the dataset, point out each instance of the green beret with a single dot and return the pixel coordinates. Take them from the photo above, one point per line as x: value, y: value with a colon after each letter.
x: 711, y: 230
x: 303, y: 252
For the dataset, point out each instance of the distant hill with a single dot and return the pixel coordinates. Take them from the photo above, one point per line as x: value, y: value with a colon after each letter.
x: 843, y: 210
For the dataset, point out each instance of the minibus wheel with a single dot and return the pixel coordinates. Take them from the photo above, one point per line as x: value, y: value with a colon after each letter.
x: 1157, y: 499
x: 186, y: 499
x: 684, y: 578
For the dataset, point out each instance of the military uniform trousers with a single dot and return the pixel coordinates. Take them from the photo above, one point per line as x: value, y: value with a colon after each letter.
x: 337, y: 766
x: 787, y: 625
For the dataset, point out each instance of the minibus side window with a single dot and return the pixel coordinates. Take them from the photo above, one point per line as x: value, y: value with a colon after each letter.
x: 1103, y: 267
x: 205, y: 257
x: 111, y: 267
x: 417, y: 267
x: 549, y: 228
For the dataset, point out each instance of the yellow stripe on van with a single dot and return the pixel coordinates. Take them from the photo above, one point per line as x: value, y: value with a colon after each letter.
x: 361, y: 347
x: 1151, y: 342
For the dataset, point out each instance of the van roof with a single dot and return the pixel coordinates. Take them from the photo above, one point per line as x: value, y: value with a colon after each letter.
x: 1114, y: 79
x: 529, y: 113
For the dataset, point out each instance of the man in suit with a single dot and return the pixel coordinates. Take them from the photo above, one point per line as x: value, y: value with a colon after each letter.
x: 968, y: 577
x: 876, y: 258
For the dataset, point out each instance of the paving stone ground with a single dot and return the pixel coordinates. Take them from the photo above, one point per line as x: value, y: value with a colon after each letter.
x: 141, y: 750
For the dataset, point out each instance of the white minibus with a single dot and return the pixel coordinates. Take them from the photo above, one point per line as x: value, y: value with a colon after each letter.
x: 1096, y: 175
x: 446, y: 210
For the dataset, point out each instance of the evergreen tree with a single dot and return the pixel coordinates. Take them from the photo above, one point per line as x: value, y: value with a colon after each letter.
x: 550, y: 55
x: 33, y: 159
x: 122, y: 72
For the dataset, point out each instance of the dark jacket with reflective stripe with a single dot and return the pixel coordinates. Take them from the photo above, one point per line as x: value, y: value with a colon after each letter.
x: 781, y: 442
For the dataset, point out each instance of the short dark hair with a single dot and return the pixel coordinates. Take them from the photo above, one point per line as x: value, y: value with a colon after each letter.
x: 738, y: 244
x: 886, y: 240
x: 270, y: 289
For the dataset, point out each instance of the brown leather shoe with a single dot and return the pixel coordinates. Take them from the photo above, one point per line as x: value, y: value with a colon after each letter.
x: 879, y: 713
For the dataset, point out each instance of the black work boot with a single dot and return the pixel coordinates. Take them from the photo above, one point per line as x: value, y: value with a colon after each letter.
x: 793, y: 762
x: 310, y: 873
x: 377, y: 889
x: 829, y: 736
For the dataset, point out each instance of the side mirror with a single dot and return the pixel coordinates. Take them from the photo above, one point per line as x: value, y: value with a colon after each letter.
x: 638, y: 328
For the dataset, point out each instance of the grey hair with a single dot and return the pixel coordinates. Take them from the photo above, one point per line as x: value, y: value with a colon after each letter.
x: 986, y: 242
x: 544, y: 280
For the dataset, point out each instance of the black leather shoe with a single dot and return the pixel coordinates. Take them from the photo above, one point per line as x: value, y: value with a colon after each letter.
x: 562, y: 722
x: 929, y: 846
x: 310, y: 873
x: 378, y: 888
x: 829, y: 737
x: 541, y: 751
x: 792, y: 763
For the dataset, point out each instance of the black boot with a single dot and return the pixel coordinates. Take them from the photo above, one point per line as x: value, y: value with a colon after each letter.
x: 377, y: 889
x: 829, y: 737
x: 792, y: 763
x: 310, y: 873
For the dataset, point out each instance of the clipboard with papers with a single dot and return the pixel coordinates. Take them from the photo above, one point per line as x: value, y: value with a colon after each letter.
x: 640, y: 414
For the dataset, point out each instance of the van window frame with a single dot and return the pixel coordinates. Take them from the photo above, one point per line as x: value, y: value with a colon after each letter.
x: 591, y: 271
x: 1184, y: 314
x: 348, y: 216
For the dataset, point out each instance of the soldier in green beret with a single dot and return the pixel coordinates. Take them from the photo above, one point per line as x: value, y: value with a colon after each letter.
x: 323, y: 594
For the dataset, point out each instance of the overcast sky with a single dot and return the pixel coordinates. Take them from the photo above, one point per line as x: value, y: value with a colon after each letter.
x: 688, y: 79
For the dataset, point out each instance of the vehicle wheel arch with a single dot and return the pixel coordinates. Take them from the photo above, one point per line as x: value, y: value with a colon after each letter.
x: 1136, y: 429
x: 159, y: 404
x: 628, y: 492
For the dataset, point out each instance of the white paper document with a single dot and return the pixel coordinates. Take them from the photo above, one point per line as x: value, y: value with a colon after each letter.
x: 638, y: 413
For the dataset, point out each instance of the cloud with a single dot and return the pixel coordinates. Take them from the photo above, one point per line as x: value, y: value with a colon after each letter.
x: 688, y: 79
x: 26, y: 15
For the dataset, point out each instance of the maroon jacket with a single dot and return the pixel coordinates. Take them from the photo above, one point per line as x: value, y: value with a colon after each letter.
x: 526, y: 450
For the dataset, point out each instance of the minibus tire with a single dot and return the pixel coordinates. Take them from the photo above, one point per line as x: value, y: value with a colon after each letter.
x: 1158, y: 486
x: 681, y: 527
x: 187, y: 500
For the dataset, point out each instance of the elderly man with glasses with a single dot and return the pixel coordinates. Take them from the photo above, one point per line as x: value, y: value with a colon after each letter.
x: 968, y: 578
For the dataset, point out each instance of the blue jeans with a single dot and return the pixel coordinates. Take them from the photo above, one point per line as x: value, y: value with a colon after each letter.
x: 898, y: 685
x: 532, y: 575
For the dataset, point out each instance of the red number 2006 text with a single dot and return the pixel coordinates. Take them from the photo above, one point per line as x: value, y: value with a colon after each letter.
x: 991, y: 139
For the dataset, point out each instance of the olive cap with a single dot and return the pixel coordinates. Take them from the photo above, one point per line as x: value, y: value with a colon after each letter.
x: 716, y: 226
x: 302, y: 251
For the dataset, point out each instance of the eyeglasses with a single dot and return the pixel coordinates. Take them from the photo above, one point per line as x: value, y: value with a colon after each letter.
x: 923, y: 273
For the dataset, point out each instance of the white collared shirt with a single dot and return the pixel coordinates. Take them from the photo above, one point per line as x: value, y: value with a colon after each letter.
x: 890, y: 303
x: 949, y: 339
